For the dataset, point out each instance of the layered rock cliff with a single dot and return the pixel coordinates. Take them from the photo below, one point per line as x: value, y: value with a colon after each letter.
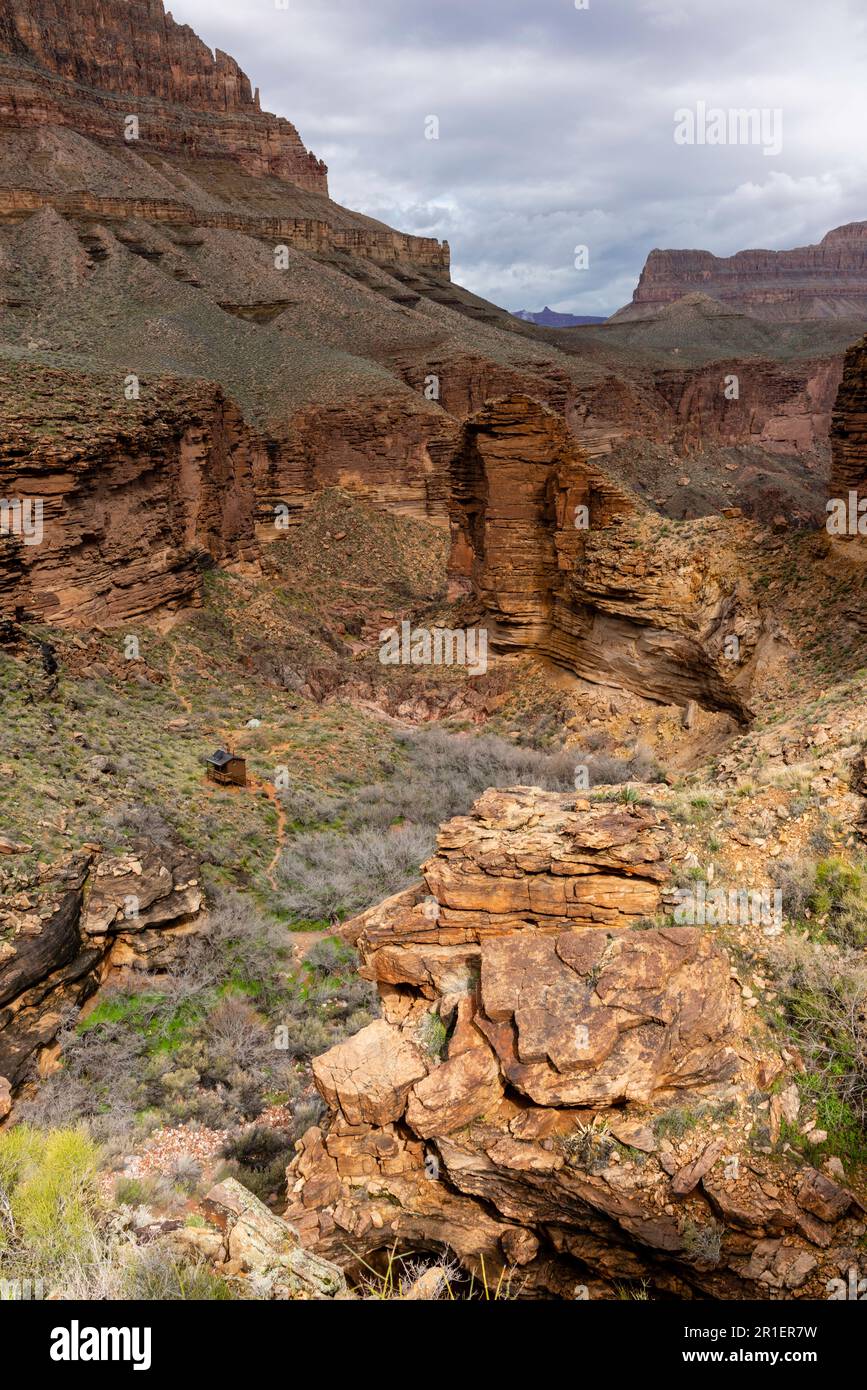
x: 111, y: 110
x: 781, y: 408
x: 849, y: 429
x: 138, y: 498
x: 828, y: 280
x: 134, y: 501
x: 137, y: 61
x: 567, y: 563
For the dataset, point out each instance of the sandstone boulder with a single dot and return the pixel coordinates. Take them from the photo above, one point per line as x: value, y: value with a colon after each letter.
x: 534, y: 1149
x: 591, y: 1018
x: 269, y: 1248
x: 368, y: 1078
x: 134, y: 892
x: 821, y: 1196
x: 452, y: 1095
x: 521, y: 859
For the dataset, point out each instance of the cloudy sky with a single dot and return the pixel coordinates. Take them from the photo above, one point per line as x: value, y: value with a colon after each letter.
x: 557, y: 123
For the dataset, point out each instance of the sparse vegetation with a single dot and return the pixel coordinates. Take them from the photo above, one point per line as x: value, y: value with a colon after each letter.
x: 702, y: 1243
x: 823, y: 1010
x: 828, y: 897
x: 213, y: 1042
x: 372, y: 839
x: 432, y: 1034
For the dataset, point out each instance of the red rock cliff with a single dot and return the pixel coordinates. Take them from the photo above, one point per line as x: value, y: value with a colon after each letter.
x: 131, y: 49
x: 809, y: 282
x: 849, y: 441
x: 569, y: 564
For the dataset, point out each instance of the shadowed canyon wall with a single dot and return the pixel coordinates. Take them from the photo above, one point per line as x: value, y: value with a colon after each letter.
x: 567, y: 563
x: 849, y: 429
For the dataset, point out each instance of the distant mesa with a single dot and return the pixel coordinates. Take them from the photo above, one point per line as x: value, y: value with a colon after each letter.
x: 549, y: 318
x: 827, y: 281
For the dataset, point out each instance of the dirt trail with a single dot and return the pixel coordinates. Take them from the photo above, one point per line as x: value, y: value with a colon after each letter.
x: 280, y: 832
x: 229, y: 739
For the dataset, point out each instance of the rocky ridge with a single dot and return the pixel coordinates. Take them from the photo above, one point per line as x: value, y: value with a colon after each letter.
x: 63, y: 930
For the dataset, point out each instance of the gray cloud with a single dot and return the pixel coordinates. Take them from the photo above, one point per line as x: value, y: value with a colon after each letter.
x: 556, y: 125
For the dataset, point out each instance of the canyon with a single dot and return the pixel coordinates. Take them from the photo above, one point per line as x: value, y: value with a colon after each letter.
x: 262, y: 430
x: 331, y: 350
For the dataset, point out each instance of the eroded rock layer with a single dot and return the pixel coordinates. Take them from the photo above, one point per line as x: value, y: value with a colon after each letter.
x: 111, y: 110
x: 138, y: 498
x: 568, y: 563
x: 188, y: 98
x: 134, y: 501
x: 63, y: 930
x: 849, y: 431
x: 505, y: 1108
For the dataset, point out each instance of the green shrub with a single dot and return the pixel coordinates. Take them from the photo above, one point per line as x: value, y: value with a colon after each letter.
x: 702, y: 1242
x: 48, y: 1195
x: 831, y: 896
x: 262, y: 1156
x: 841, y: 894
x: 330, y: 956
x: 255, y: 1147
x: 432, y: 1034
x: 678, y: 1121
x: 130, y: 1192
x: 823, y: 1010
x: 156, y: 1276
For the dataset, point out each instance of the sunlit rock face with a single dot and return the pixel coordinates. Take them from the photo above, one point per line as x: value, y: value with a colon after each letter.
x: 537, y: 1028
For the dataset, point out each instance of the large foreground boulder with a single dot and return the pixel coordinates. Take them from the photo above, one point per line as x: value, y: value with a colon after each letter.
x: 561, y: 1091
